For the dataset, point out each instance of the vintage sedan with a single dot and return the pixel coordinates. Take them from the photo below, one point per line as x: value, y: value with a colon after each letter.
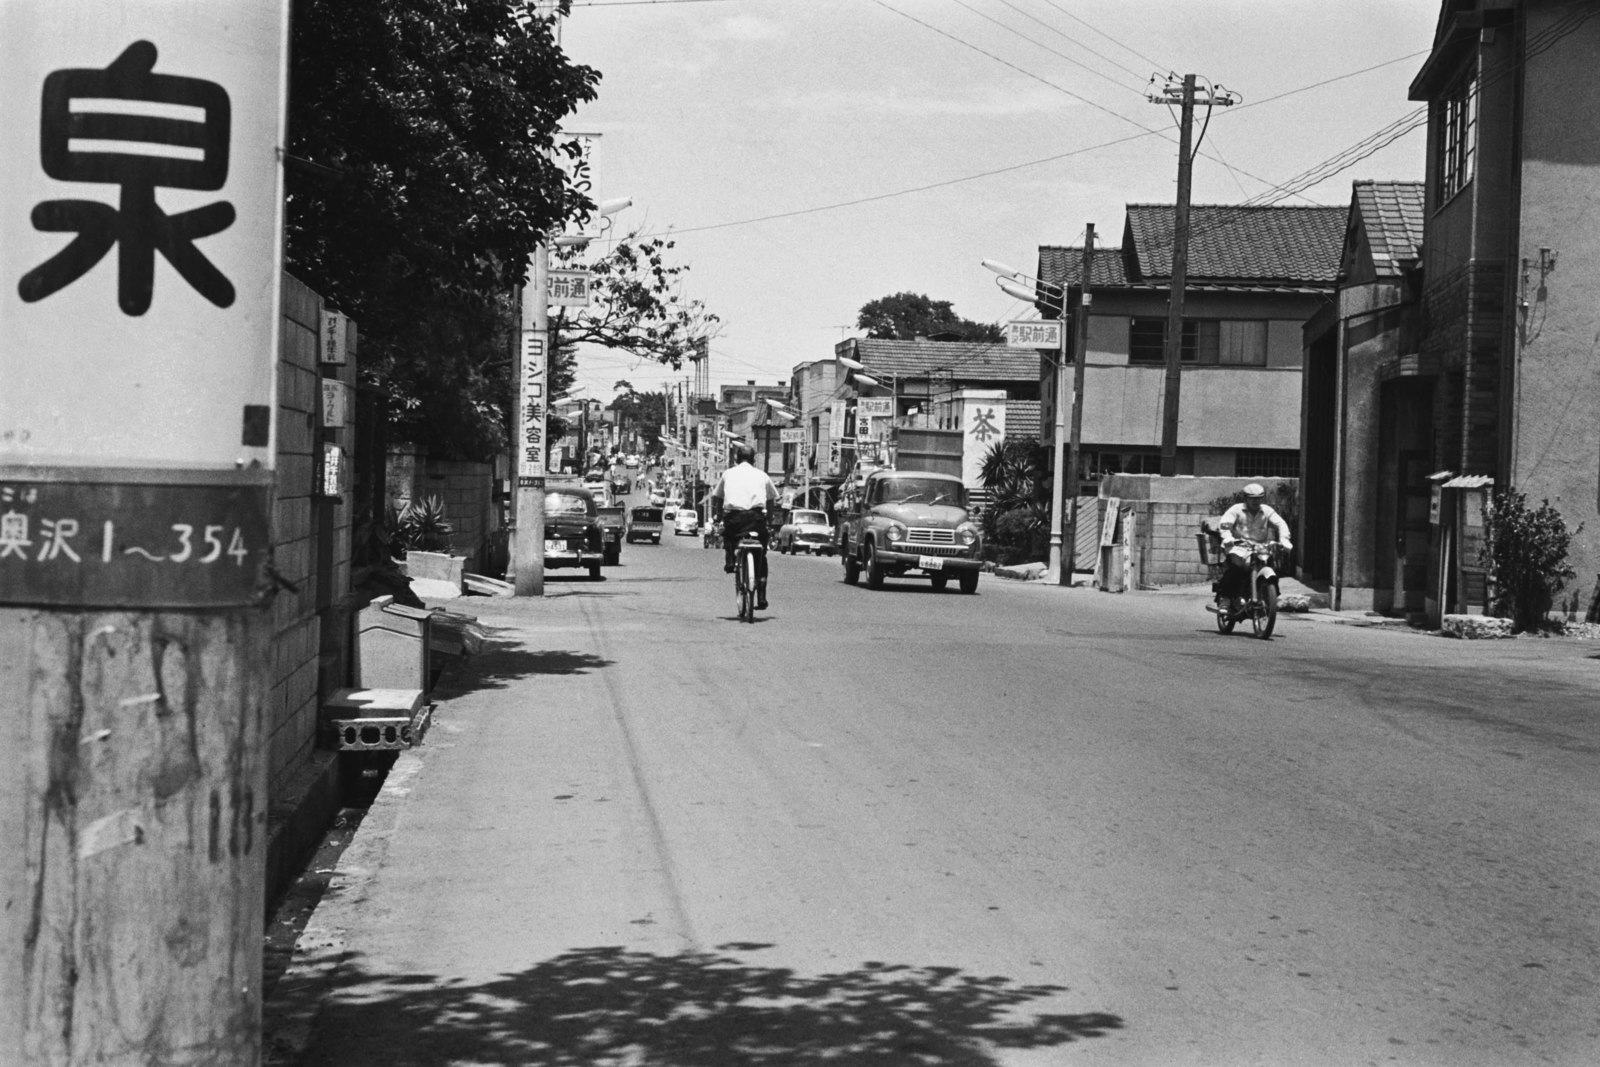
x: 805, y: 531
x: 687, y: 521
x: 572, y: 534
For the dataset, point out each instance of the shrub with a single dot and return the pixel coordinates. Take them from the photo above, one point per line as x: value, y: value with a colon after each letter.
x: 422, y: 526
x: 1526, y: 553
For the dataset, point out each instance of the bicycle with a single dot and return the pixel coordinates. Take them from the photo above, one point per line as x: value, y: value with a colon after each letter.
x: 746, y: 565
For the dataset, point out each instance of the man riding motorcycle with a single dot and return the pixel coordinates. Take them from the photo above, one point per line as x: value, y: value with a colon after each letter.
x: 1252, y: 520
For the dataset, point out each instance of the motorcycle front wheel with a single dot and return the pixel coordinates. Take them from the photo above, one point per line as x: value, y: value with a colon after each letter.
x: 1265, y: 615
x: 1225, y: 620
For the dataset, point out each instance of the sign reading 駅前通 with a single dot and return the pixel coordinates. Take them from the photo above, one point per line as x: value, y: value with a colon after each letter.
x: 140, y: 205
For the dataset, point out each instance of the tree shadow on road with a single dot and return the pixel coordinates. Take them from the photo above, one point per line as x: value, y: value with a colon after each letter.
x: 616, y: 1006
x: 502, y: 663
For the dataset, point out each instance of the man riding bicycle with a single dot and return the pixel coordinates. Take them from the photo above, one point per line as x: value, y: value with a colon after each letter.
x: 740, y: 503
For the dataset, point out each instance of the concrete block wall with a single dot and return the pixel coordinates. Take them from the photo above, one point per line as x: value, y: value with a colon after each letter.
x: 467, y: 492
x: 293, y: 701
x: 1168, y: 512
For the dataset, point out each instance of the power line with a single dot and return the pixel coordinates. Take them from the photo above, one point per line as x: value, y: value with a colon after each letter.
x: 914, y: 189
x: 1047, y: 48
x: 1107, y: 36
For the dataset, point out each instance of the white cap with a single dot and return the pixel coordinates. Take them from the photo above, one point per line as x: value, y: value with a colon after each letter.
x: 1254, y: 490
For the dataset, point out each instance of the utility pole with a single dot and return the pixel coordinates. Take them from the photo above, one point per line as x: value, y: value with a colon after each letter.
x: 1080, y: 343
x: 527, y: 539
x: 1172, y: 347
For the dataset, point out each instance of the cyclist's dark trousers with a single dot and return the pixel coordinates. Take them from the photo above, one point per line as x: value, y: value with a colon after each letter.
x: 735, y: 524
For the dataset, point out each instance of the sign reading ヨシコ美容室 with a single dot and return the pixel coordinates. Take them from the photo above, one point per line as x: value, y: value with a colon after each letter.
x: 140, y: 206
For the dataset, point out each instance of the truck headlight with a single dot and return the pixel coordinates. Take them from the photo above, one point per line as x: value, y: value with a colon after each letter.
x: 896, y: 532
x: 968, y: 533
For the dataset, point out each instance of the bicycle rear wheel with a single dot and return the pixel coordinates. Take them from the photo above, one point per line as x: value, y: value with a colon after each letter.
x: 747, y: 575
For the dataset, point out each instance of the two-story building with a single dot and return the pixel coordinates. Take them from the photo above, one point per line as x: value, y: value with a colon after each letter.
x: 1506, y: 361
x: 1255, y: 274
x: 1468, y: 363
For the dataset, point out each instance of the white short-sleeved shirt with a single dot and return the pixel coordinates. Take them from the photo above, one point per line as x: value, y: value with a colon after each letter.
x: 744, y: 488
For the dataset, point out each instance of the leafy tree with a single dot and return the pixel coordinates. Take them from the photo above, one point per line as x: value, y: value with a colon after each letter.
x: 1525, y: 550
x: 637, y: 303
x: 428, y: 132
x: 907, y: 316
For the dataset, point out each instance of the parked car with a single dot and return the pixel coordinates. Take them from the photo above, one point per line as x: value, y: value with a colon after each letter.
x: 644, y: 524
x: 687, y: 521
x: 572, y: 534
x: 910, y: 524
x: 804, y: 530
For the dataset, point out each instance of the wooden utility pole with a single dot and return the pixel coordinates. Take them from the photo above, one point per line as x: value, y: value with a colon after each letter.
x: 1173, y: 347
x: 1080, y: 343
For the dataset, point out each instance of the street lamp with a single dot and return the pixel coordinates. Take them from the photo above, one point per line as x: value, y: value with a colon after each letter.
x: 862, y: 377
x: 1028, y: 288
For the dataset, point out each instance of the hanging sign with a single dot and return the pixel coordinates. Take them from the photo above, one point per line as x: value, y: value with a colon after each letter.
x: 569, y: 288
x: 140, y: 225
x: 1038, y: 333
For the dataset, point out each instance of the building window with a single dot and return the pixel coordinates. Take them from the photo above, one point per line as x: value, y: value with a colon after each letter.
x: 1267, y: 463
x: 1458, y: 136
x: 1242, y: 343
x: 1206, y: 342
x: 1147, y: 338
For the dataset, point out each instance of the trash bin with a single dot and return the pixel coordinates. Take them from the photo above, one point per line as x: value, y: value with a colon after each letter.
x: 393, y: 646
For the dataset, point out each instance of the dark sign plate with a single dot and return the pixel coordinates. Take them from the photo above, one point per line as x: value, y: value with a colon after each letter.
x: 132, y: 544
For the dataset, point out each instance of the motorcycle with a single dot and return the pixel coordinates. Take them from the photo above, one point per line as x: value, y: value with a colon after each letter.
x: 1260, y: 605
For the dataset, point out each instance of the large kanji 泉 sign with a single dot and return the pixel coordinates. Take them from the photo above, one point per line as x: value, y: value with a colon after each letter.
x: 140, y: 228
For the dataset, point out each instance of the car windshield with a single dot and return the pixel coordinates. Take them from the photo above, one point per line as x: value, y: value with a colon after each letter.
x: 914, y: 490
x: 565, y: 504
x: 814, y: 518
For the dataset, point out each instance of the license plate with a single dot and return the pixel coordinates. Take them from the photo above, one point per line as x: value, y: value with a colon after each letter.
x: 555, y: 546
x: 930, y: 563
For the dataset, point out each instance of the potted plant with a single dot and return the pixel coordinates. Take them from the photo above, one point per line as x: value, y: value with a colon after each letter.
x: 423, y: 532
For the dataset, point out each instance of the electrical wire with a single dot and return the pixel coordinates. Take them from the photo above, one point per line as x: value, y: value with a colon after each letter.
x: 1040, y: 44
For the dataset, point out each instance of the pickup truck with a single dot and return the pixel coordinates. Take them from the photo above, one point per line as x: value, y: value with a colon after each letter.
x: 612, y: 524
x: 644, y: 524
x: 910, y: 524
x: 572, y: 535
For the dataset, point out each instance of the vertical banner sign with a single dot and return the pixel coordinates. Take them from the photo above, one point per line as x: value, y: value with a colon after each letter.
x: 140, y: 202
x: 983, y: 426
x: 531, y: 442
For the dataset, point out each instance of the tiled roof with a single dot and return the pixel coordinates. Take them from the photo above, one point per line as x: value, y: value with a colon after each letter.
x: 1022, y: 418
x: 1290, y: 245
x: 1393, y: 214
x: 1064, y: 266
x: 960, y: 360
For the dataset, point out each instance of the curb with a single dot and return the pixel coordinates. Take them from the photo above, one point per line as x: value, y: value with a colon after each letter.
x: 289, y: 1014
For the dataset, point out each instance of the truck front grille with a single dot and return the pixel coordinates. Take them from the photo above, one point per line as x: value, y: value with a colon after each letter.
x: 923, y: 535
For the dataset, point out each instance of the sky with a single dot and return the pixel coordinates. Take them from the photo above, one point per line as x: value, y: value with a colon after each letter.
x: 809, y: 156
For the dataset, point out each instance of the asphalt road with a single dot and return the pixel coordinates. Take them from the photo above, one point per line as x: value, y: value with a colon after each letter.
x: 1030, y: 826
